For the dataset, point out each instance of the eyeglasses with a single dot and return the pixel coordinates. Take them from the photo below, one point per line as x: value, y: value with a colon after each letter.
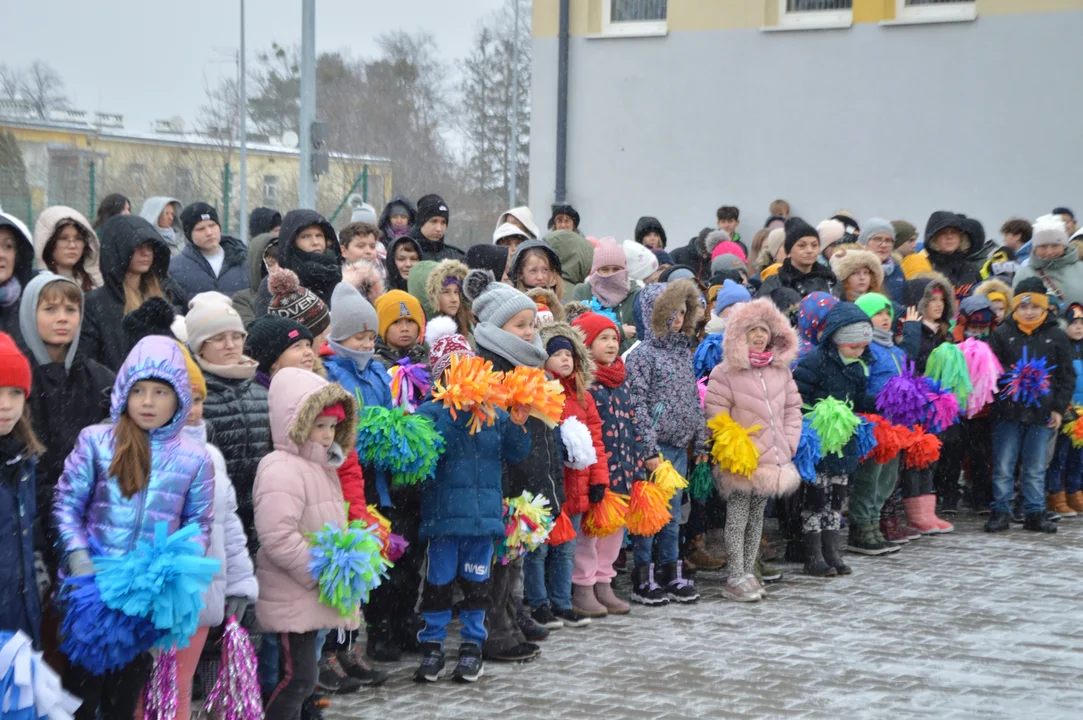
x: 880, y: 241
x: 226, y: 338
x: 75, y: 240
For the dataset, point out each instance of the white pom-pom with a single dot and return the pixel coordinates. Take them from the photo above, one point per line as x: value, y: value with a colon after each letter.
x: 439, y: 327
x: 30, y: 682
x: 578, y: 446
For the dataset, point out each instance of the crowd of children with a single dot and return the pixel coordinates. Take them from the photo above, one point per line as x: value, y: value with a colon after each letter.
x: 852, y: 384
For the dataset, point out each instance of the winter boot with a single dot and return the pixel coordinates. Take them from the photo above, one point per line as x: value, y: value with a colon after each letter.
x: 332, y: 679
x: 613, y: 604
x: 814, y: 557
x: 645, y: 590
x: 863, y: 541
x: 678, y: 587
x: 700, y: 559
x: 889, y: 528
x: 1075, y: 501
x: 795, y: 550
x: 381, y: 647
x: 355, y: 666
x: 1038, y: 522
x: 916, y: 515
x: 998, y: 522
x: 1058, y: 503
x: 833, y: 551
x: 584, y: 602
x: 930, y: 513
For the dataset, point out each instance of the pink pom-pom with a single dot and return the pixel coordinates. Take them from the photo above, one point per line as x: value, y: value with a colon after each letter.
x: 236, y: 692
x: 985, y: 371
x: 702, y: 387
x: 283, y: 282
x: 160, y: 692
x: 943, y: 408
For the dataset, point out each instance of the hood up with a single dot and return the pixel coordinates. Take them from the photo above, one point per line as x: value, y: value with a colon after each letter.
x: 575, y: 252
x: 295, y: 399
x: 812, y: 315
x: 742, y: 319
x: 121, y: 235
x: 385, y: 216
x: 28, y: 322
x: 661, y: 304
x: 47, y: 223
x: 257, y: 248
x: 648, y: 224
x: 153, y: 207
x: 154, y: 358
x: 24, y: 250
x: 584, y: 363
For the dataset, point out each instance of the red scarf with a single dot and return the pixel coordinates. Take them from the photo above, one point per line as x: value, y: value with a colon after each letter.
x: 611, y: 375
x: 760, y: 359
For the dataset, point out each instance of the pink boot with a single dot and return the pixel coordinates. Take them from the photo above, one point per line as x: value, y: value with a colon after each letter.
x: 930, y: 508
x: 917, y: 517
x: 604, y: 592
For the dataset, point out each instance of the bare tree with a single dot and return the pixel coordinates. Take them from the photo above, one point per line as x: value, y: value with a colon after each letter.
x: 43, y: 89
x: 11, y: 80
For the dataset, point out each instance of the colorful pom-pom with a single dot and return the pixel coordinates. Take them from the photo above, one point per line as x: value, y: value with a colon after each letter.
x: 943, y: 408
x: 731, y: 445
x: 348, y: 565
x: 701, y: 482
x: 809, y: 451
x: 1073, y: 428
x: 947, y: 366
x: 923, y: 449
x: 236, y: 691
x: 160, y: 692
x: 563, y: 531
x: 648, y: 509
x: 163, y: 580
x: 666, y: 477
x: 470, y: 385
x: 1028, y: 380
x: 527, y: 523
x: 29, y: 688
x: 708, y: 355
x: 579, y: 452
x: 701, y: 388
x: 98, y: 638
x: 835, y: 423
x: 409, y: 385
x: 407, y: 446
x: 528, y: 387
x: 890, y: 439
x: 866, y: 439
x: 381, y: 526
x: 604, y: 518
x: 985, y: 371
x: 903, y: 398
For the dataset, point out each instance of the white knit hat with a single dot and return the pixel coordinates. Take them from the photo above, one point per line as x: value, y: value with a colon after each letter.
x: 641, y: 261
x: 1049, y: 230
x: 210, y: 313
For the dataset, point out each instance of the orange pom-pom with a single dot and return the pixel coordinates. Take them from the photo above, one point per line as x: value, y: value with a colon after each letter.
x: 648, y: 509
x: 923, y: 449
x: 528, y: 387
x: 470, y: 385
x: 607, y: 517
x: 562, y: 531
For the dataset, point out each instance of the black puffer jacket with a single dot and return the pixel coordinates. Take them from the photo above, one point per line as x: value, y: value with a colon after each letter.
x: 317, y: 272
x: 20, y: 608
x: 239, y: 424
x: 695, y: 256
x: 542, y: 471
x: 194, y: 274
x: 648, y: 224
x: 103, y: 338
x: 437, y: 251
x: 1049, y: 342
x: 818, y: 279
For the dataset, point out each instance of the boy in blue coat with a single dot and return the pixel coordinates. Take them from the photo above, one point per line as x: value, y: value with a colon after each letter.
x: 461, y: 515
x: 353, y: 341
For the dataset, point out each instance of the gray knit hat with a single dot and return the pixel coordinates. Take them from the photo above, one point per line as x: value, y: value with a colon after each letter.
x: 351, y: 313
x: 726, y: 263
x: 853, y: 334
x: 494, y: 302
x: 875, y: 226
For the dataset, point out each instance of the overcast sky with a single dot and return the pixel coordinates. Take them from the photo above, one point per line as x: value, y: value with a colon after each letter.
x: 151, y: 59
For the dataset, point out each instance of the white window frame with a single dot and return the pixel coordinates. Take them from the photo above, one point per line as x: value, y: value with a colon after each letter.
x: 813, y: 19
x: 631, y: 28
x: 960, y: 11
x: 272, y: 190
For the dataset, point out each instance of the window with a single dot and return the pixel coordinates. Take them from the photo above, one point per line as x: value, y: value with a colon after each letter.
x: 815, y: 13
x: 934, y: 10
x: 634, y: 17
x: 184, y: 183
x: 270, y: 190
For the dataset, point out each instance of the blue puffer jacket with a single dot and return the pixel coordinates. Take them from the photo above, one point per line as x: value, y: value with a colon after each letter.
x: 20, y: 608
x: 466, y: 498
x: 892, y: 361
x: 821, y: 373
x: 89, y: 506
x: 373, y: 382
x: 1077, y: 364
x: 894, y: 282
x: 194, y: 274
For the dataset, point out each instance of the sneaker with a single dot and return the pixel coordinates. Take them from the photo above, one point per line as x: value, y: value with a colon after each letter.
x: 470, y: 666
x: 741, y: 589
x: 432, y: 663
x: 678, y: 588
x: 645, y: 590
x: 531, y: 630
x: 333, y: 679
x: 356, y: 667
x: 521, y: 653
x: 543, y: 615
x: 570, y: 618
x: 997, y: 522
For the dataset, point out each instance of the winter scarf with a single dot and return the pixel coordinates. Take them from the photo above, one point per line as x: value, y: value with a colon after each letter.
x: 394, y: 233
x: 611, y: 289
x: 760, y: 359
x: 245, y: 368
x: 169, y: 234
x: 882, y: 337
x: 611, y: 375
x: 1029, y: 326
x: 360, y: 359
x: 889, y: 267
x: 510, y: 347
x: 596, y: 306
x: 10, y: 292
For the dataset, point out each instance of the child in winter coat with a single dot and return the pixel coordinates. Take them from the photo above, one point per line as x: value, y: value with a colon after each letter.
x: 123, y: 477
x: 609, y: 291
x: 662, y: 379
x: 443, y: 291
x: 754, y: 386
x: 811, y: 317
x: 837, y: 368
x: 1064, y: 494
x: 20, y: 604
x: 623, y: 442
x: 309, y: 247
x: 1022, y: 425
x: 461, y: 516
x: 401, y: 326
x: 352, y: 342
x: 536, y: 265
x: 297, y: 491
x: 505, y: 335
x: 549, y: 571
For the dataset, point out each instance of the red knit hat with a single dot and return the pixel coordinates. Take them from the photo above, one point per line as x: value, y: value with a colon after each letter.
x: 14, y: 367
x: 336, y: 411
x: 592, y: 325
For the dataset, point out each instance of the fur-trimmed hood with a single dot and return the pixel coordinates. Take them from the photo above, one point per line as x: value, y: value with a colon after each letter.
x: 993, y: 285
x: 660, y: 301
x: 845, y: 262
x: 548, y: 298
x: 574, y: 309
x: 434, y: 283
x: 584, y: 363
x: 939, y: 282
x: 743, y: 318
x: 295, y: 400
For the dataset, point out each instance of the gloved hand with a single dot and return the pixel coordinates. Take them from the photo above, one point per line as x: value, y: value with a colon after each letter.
x: 235, y: 606
x: 79, y: 564
x: 596, y: 493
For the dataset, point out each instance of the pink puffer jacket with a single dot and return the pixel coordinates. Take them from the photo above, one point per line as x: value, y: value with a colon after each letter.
x: 759, y: 396
x: 296, y: 492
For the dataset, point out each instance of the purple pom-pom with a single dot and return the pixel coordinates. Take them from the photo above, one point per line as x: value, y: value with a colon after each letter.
x: 398, y: 547
x: 943, y: 408
x: 903, y: 398
x: 160, y: 693
x: 236, y: 692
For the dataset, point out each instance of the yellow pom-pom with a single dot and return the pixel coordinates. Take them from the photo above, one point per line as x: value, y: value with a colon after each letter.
x: 527, y: 387
x: 731, y: 445
x: 1074, y: 428
x: 648, y: 509
x: 668, y: 480
x: 607, y: 517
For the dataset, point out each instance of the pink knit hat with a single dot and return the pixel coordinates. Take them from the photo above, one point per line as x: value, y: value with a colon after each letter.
x: 608, y: 252
x: 729, y: 248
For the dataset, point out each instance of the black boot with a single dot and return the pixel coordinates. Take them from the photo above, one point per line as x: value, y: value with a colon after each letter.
x: 998, y: 522
x: 814, y: 557
x: 381, y: 646
x: 645, y: 590
x: 833, y: 552
x: 1039, y: 522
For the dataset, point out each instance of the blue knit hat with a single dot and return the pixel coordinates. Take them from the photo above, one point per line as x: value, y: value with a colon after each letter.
x: 730, y: 294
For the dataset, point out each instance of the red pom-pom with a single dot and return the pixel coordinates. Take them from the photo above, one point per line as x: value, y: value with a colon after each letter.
x: 562, y: 531
x: 890, y: 439
x: 923, y: 449
x: 283, y: 282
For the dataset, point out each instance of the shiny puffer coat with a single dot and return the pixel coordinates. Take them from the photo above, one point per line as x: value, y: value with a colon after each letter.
x: 89, y: 507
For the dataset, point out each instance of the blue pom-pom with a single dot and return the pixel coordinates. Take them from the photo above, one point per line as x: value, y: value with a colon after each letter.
x: 808, y: 452
x: 1027, y: 381
x: 708, y: 355
x: 866, y: 441
x: 96, y: 637
x: 347, y: 565
x: 408, y: 446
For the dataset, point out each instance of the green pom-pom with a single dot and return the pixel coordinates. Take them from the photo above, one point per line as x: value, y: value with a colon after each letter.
x: 700, y: 483
x: 407, y: 446
x: 835, y: 422
x: 947, y: 365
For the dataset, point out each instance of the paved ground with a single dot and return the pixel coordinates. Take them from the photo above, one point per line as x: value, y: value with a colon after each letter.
x: 961, y: 626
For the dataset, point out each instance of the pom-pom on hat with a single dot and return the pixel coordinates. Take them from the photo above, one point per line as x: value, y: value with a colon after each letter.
x: 831, y: 231
x: 296, y: 303
x: 14, y: 367
x: 493, y: 302
x: 395, y: 305
x: 270, y: 336
x: 210, y: 313
x: 608, y: 252
x: 444, y: 349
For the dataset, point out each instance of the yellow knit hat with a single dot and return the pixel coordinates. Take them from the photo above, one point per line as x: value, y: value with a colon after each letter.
x: 195, y: 375
x: 396, y: 305
x: 914, y: 264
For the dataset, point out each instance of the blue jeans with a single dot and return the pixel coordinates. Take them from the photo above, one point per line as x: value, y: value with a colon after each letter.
x: 668, y: 538
x: 1065, y: 469
x: 560, y: 561
x: 448, y: 558
x: 1015, y: 441
x: 267, y: 666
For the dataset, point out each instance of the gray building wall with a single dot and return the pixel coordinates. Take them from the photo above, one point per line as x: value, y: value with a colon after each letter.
x: 982, y: 117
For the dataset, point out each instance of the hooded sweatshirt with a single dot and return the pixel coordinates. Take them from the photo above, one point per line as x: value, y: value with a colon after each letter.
x: 386, y: 230
x: 46, y: 225
x: 317, y: 272
x: 173, y: 236
x: 252, y: 302
x: 11, y: 291
x: 576, y: 255
x: 395, y: 281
